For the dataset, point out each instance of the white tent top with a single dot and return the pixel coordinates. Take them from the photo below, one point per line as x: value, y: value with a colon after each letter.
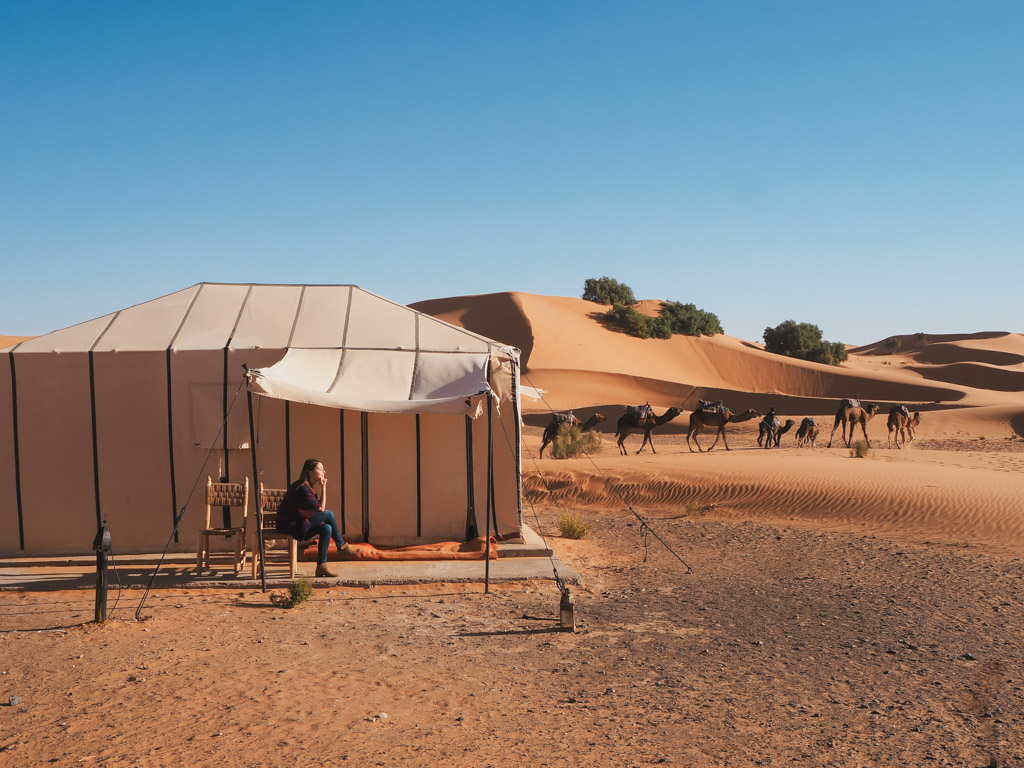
x: 346, y: 347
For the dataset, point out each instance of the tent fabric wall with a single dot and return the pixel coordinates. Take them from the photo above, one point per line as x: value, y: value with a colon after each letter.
x: 118, y: 419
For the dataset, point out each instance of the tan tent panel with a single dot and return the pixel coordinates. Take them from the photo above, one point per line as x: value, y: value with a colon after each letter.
x: 123, y: 417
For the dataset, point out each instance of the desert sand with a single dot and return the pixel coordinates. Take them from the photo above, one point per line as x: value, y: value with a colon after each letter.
x: 737, y: 608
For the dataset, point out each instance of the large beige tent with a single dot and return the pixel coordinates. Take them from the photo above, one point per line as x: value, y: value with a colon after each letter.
x: 123, y: 418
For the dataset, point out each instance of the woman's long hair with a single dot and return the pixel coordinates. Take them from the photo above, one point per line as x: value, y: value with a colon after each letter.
x: 308, y: 468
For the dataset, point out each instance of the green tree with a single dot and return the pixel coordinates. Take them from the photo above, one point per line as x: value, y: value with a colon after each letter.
x: 606, y: 290
x: 686, y: 319
x: 804, y: 342
x: 893, y: 343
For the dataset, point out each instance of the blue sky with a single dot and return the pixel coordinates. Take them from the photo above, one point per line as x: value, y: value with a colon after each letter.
x: 858, y: 166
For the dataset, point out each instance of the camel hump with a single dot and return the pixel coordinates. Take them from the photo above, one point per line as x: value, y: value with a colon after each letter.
x: 564, y: 418
x: 808, y: 422
x: 640, y: 411
x: 710, y: 406
x: 900, y: 409
x: 849, y: 402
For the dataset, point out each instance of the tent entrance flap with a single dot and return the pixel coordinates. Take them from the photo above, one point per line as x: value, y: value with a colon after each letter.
x: 378, y: 380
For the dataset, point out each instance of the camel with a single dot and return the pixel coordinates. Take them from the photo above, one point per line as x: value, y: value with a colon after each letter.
x: 807, y: 432
x: 900, y: 424
x: 717, y: 419
x: 852, y: 412
x: 630, y: 423
x: 566, y: 420
x: 774, y: 431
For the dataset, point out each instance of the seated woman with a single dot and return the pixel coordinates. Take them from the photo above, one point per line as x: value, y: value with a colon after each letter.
x: 304, y: 515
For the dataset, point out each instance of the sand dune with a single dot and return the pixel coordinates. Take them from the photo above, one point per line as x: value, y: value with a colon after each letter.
x: 962, y: 480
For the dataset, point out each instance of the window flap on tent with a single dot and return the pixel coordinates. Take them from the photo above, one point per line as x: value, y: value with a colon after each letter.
x: 379, y: 381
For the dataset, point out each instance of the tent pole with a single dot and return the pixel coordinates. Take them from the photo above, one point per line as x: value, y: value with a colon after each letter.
x: 489, y: 506
x: 256, y: 490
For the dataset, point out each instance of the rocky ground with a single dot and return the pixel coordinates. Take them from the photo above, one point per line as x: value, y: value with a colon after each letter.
x: 782, y: 646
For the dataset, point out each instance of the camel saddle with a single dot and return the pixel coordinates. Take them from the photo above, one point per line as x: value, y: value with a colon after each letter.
x: 640, y: 412
x: 710, y: 406
x: 808, y: 422
x: 901, y: 409
x: 564, y: 418
x: 849, y: 402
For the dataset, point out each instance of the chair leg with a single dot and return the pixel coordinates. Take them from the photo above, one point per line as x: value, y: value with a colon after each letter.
x: 293, y: 556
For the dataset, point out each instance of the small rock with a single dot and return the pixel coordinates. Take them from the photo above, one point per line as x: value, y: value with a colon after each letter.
x: 14, y: 701
x: 968, y: 657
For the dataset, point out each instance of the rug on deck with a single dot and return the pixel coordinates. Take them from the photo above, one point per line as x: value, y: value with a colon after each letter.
x: 444, y: 550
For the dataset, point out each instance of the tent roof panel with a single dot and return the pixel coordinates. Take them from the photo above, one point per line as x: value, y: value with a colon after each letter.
x: 267, y: 317
x: 77, y: 338
x: 211, y: 317
x: 147, y: 326
x: 322, y: 316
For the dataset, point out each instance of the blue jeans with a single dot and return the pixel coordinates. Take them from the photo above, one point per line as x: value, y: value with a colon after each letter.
x: 324, y: 527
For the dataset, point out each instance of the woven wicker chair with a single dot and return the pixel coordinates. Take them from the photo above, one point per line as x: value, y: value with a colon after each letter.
x: 225, y: 495
x: 273, y: 539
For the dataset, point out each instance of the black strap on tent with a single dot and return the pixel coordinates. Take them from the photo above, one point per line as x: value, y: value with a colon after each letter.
x: 170, y: 406
x: 287, y: 440
x: 341, y: 447
x: 364, y: 422
x: 92, y: 408
x: 471, y: 528
x: 17, y: 449
x: 226, y: 510
x: 419, y: 481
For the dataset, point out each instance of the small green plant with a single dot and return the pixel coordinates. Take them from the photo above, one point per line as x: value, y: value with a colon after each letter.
x: 860, y: 450
x: 893, y: 343
x: 302, y: 590
x: 572, y: 526
x: 693, y: 506
x: 571, y: 441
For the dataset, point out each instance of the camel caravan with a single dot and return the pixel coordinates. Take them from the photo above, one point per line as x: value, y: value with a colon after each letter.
x: 715, y: 415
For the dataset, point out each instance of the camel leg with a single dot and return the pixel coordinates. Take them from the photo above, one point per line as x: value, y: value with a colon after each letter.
x: 694, y: 432
x: 645, y: 441
x: 622, y: 448
x: 834, y: 428
x: 864, y: 429
x: 718, y: 434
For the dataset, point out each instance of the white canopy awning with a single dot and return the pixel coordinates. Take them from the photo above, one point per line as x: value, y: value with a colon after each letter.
x: 378, y: 380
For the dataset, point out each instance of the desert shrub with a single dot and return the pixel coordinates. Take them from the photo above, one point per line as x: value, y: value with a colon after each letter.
x: 893, y: 343
x: 571, y: 441
x: 572, y: 526
x: 637, y: 324
x: 302, y: 590
x: 859, y: 450
x: 803, y: 341
x: 606, y: 290
x: 687, y: 320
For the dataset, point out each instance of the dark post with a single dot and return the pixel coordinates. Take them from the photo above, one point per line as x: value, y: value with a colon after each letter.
x: 101, y: 545
x: 256, y: 489
x: 489, y: 507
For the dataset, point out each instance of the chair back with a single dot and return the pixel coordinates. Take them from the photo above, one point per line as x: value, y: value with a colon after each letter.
x: 228, y: 495
x: 270, y: 501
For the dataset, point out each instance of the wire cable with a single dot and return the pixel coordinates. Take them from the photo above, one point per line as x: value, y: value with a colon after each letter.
x: 181, y: 514
x: 645, y: 527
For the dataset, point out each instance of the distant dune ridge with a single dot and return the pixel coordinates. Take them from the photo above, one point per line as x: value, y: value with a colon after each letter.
x: 583, y: 363
x: 959, y: 483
